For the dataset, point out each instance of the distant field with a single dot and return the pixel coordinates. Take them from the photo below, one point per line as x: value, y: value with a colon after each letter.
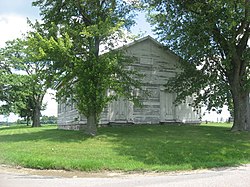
x: 133, y: 148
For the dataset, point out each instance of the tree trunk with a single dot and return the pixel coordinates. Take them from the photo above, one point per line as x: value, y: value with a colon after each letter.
x: 241, y: 111
x: 240, y: 94
x: 27, y: 120
x: 36, y: 116
x: 91, y: 128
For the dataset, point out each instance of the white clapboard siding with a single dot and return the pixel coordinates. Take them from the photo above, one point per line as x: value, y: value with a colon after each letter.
x: 157, y: 64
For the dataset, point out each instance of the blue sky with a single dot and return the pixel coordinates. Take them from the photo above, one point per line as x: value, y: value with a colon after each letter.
x: 14, y: 14
x: 19, y: 7
x: 24, y: 8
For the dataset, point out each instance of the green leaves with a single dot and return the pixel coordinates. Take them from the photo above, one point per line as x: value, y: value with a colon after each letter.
x: 30, y: 75
x: 210, y: 37
x: 84, y: 28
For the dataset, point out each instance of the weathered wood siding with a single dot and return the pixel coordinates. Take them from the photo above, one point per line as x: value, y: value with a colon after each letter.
x: 157, y: 64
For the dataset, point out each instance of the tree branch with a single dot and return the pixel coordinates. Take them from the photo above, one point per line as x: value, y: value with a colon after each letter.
x: 244, y: 29
x: 243, y: 41
x: 221, y: 40
x: 86, y: 20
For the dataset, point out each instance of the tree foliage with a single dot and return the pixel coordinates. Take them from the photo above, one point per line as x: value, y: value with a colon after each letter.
x: 12, y: 94
x: 80, y: 32
x: 48, y: 119
x: 211, y: 37
x: 28, y: 78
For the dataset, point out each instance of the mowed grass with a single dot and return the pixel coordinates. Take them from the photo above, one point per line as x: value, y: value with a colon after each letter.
x: 133, y: 148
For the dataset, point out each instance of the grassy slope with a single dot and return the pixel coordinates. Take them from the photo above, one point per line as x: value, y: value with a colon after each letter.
x: 161, y: 148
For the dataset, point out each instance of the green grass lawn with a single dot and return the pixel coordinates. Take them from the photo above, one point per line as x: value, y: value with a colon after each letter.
x: 140, y: 148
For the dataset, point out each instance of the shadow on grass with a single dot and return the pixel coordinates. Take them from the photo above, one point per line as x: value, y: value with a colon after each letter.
x: 151, y: 147
x: 182, y: 147
x: 54, y: 135
x: 7, y: 128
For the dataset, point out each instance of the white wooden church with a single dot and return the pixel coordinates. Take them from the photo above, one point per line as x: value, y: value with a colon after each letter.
x: 157, y: 64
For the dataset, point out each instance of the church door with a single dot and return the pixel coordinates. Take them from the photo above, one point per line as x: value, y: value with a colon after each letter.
x: 121, y: 111
x: 167, y: 106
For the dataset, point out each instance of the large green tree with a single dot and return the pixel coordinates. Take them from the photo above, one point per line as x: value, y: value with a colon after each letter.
x: 25, y: 59
x: 12, y: 92
x: 80, y: 31
x: 212, y: 38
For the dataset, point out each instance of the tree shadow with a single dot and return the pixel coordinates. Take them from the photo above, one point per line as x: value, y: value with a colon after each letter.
x: 53, y: 135
x: 158, y: 147
x: 185, y: 146
x: 7, y: 128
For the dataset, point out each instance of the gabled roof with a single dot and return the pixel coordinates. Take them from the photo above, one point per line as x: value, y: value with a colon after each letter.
x: 152, y: 40
x: 143, y: 39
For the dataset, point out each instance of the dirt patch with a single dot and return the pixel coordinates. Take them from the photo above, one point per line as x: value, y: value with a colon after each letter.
x: 101, y: 174
x: 58, y: 173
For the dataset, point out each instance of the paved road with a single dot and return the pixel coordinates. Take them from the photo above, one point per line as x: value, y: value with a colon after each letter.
x: 227, y: 177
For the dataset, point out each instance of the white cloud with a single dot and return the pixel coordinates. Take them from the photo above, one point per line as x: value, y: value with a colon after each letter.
x: 214, y: 116
x: 49, y: 100
x: 12, y: 26
x: 11, y: 118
